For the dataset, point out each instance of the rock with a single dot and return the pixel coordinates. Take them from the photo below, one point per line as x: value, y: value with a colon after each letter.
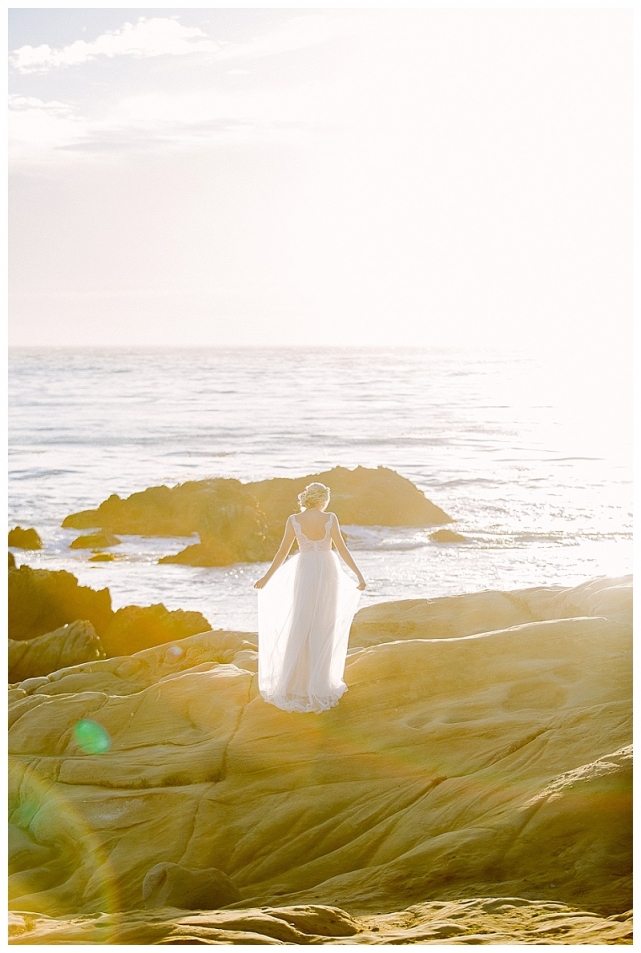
x: 41, y: 601
x: 21, y: 538
x: 507, y: 920
x: 224, y: 513
x: 170, y: 885
x: 12, y: 561
x: 212, y: 553
x: 450, y: 617
x: 244, y: 522
x: 95, y: 541
x: 363, y: 496
x: 488, y: 766
x: 102, y: 558
x: 447, y: 536
x: 134, y: 628
x: 69, y: 645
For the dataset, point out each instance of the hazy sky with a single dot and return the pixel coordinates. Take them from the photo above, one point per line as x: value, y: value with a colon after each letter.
x: 321, y: 176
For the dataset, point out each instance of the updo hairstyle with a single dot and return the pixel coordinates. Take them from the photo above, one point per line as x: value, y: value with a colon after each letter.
x: 312, y: 495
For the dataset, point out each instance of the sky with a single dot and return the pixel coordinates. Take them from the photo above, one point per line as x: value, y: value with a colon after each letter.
x: 341, y: 177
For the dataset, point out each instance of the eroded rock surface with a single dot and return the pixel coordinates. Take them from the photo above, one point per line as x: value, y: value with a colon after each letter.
x: 475, y: 920
x: 68, y: 645
x: 453, y: 616
x: 140, y: 627
x: 95, y: 541
x: 24, y: 538
x: 494, y: 765
x: 239, y: 522
x: 41, y: 601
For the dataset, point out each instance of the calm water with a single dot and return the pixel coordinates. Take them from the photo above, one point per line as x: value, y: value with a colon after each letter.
x: 533, y: 463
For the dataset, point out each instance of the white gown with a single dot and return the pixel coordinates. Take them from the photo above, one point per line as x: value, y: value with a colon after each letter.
x: 304, y: 616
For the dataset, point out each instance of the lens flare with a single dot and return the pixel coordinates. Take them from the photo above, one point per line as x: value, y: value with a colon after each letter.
x: 91, y: 737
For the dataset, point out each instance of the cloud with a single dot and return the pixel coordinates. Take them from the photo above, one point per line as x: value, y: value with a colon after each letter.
x: 158, y: 36
x: 165, y: 36
x: 53, y: 131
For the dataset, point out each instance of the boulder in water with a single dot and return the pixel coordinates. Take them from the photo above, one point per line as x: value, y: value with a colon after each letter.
x: 21, y: 538
x: 68, y: 645
x: 95, y: 541
x: 363, y: 497
x: 447, y: 536
x: 41, y: 601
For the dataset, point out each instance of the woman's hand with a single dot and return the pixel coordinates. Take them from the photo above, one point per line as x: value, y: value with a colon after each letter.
x: 261, y: 583
x: 361, y: 584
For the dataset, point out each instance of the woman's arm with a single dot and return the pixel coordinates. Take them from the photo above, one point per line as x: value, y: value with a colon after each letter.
x: 286, y: 544
x: 344, y: 552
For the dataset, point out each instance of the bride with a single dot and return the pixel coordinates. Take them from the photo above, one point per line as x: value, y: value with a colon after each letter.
x: 305, y: 610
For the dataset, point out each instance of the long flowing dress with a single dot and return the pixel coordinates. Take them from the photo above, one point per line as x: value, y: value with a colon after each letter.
x: 304, y: 616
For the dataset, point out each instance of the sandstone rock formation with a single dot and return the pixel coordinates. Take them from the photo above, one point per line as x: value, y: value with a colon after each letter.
x: 24, y: 538
x: 447, y: 536
x: 12, y: 561
x: 455, y: 616
x: 502, y: 920
x: 68, y: 645
x: 170, y: 885
x: 244, y: 522
x: 40, y: 601
x: 95, y: 541
x: 492, y: 765
x: 364, y: 497
x: 224, y: 513
x: 135, y: 627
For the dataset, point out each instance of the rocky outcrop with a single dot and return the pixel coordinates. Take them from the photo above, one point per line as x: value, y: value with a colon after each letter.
x: 21, y: 538
x: 41, y: 601
x: 493, y: 765
x: 102, y: 558
x: 95, y: 541
x: 447, y: 536
x: 224, y: 513
x: 69, y: 645
x: 479, y: 920
x: 135, y: 627
x: 12, y: 561
x: 450, y: 617
x: 170, y: 885
x: 363, y: 497
x: 244, y: 522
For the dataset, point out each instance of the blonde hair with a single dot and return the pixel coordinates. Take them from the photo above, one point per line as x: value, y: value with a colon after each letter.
x: 313, y: 494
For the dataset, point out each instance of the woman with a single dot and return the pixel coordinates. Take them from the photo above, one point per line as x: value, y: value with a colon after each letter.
x: 305, y: 610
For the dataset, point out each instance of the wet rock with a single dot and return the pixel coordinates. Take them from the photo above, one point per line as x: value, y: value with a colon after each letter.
x: 12, y: 561
x: 363, y: 496
x: 447, y: 536
x: 95, y: 541
x: 244, y: 522
x: 212, y: 553
x: 68, y: 645
x: 21, y: 538
x: 41, y: 601
x: 136, y: 627
x: 224, y: 513
x: 171, y: 885
x: 102, y: 558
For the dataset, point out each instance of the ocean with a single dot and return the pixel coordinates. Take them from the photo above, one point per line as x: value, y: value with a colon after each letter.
x: 531, y: 459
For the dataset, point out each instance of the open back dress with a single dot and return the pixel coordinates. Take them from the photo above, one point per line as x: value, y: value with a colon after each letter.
x: 304, y: 616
